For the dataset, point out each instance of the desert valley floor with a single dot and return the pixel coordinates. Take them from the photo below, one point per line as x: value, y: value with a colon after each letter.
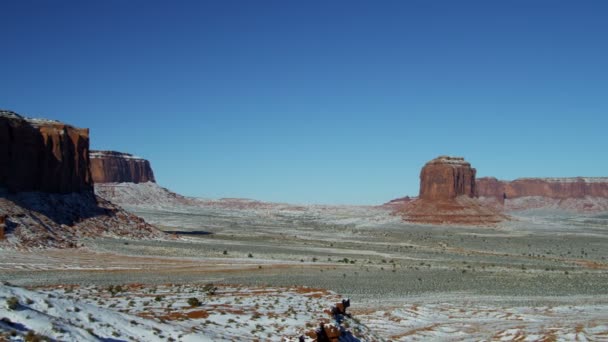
x: 542, y: 275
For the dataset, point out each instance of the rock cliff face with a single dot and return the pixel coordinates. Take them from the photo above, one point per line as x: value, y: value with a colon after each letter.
x: 117, y: 167
x: 2, y: 226
x: 447, y: 196
x: 447, y: 178
x: 43, y: 155
x: 556, y: 188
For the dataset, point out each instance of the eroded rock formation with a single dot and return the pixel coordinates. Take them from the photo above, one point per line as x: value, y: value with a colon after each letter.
x: 43, y: 155
x: 447, y: 196
x: 447, y: 178
x: 118, y: 167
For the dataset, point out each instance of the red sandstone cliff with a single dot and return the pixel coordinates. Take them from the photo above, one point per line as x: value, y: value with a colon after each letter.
x: 117, y: 167
x: 43, y: 155
x: 556, y: 188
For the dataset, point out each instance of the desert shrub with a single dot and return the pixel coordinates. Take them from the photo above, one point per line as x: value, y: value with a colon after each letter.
x: 92, y: 332
x: 12, y: 303
x: 32, y: 336
x: 210, y: 289
x: 194, y: 302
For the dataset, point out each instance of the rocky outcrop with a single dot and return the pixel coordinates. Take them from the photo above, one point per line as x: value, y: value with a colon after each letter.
x: 43, y: 155
x: 118, y: 167
x: 2, y: 226
x: 445, y: 178
x: 557, y: 188
x: 38, y: 219
x: 447, y: 196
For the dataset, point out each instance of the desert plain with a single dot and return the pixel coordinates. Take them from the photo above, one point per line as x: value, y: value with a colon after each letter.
x: 540, y: 275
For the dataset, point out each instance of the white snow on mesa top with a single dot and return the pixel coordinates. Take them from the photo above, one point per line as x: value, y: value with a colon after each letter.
x: 113, y: 154
x: 449, y: 160
x: 9, y: 114
x: 567, y: 179
x: 34, y: 121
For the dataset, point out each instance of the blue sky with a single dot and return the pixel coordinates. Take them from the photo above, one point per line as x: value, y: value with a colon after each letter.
x: 318, y: 101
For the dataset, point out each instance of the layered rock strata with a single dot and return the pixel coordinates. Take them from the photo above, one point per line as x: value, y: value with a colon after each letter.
x: 118, y: 167
x: 43, y: 155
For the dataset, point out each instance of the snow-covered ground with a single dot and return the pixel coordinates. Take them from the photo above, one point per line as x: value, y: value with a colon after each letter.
x: 208, y: 312
x: 479, y: 321
x: 203, y: 312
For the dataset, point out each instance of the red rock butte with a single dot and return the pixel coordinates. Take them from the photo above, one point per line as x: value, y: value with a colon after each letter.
x: 447, y: 178
x: 448, y: 196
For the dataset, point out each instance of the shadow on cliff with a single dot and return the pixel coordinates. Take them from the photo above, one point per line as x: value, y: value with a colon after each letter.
x: 61, y: 209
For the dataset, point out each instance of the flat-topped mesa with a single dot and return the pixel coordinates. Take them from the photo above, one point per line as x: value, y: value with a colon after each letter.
x: 556, y: 188
x: 118, y: 167
x: 43, y: 155
x: 446, y: 178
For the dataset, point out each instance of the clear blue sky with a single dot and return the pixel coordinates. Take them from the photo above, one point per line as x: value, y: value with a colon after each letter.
x: 318, y: 101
